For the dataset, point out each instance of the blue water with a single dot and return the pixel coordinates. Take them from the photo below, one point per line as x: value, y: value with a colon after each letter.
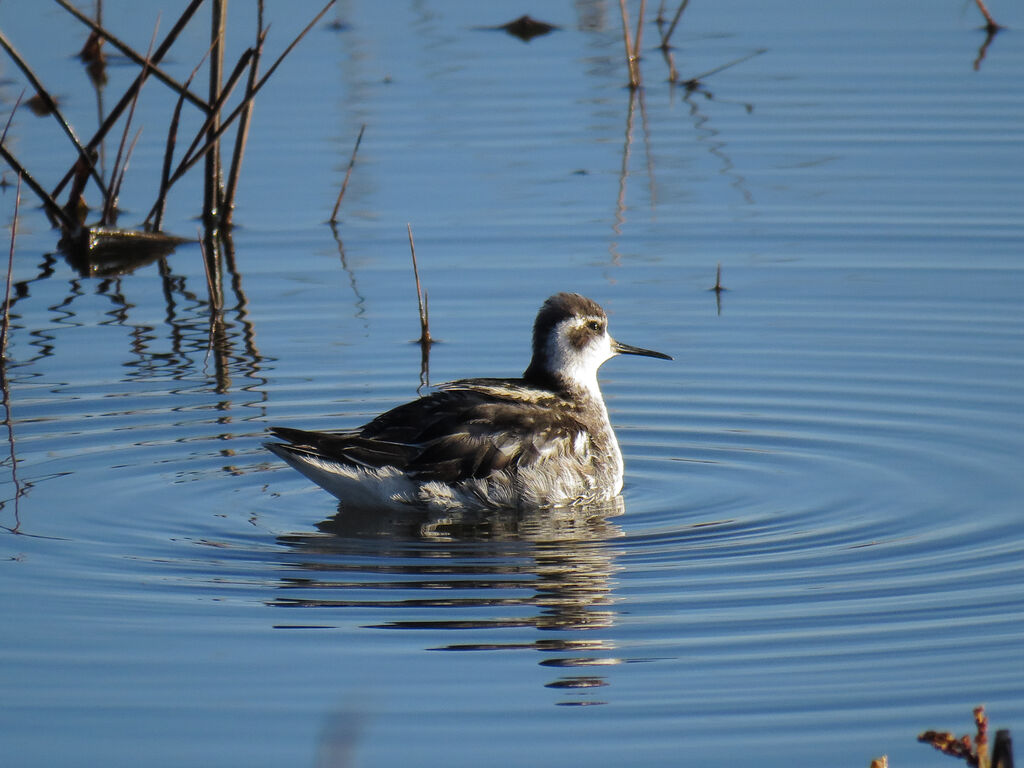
x: 819, y: 550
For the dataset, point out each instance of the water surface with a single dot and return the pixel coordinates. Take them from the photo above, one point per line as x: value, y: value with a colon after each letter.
x: 819, y: 548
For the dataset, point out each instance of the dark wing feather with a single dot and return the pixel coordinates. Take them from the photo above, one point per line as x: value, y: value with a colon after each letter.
x: 467, y: 429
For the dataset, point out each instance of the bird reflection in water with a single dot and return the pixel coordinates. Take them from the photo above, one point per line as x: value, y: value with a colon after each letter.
x: 544, y: 569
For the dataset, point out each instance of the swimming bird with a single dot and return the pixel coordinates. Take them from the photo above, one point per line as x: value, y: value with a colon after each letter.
x: 542, y: 440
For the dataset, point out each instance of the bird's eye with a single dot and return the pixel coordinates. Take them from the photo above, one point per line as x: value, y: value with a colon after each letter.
x: 595, y: 326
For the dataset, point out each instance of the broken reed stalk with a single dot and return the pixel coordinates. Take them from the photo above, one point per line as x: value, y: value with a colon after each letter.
x: 631, y: 54
x: 51, y: 106
x: 421, y: 297
x: 110, y: 209
x: 990, y: 24
x: 98, y: 29
x: 5, y: 324
x: 242, y: 137
x: 121, y: 105
x: 348, y: 172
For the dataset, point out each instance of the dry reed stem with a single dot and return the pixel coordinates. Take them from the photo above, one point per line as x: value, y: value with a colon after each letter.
x: 129, y: 52
x: 638, y: 39
x: 172, y: 133
x: 121, y: 105
x: 981, y: 736
x: 242, y: 137
x: 672, y: 27
x: 421, y: 298
x: 694, y: 82
x: 348, y: 173
x: 4, y: 329
x: 212, y: 134
x: 990, y: 23
x: 51, y: 106
x: 10, y: 117
x: 110, y: 212
x: 5, y: 324
x: 631, y: 55
x: 212, y: 191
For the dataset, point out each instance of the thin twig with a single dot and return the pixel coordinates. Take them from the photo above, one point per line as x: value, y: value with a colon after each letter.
x: 156, y: 72
x: 242, y: 137
x: 3, y: 362
x: 110, y: 212
x: 420, y: 296
x: 672, y: 27
x: 210, y: 128
x: 172, y: 133
x: 348, y: 172
x: 694, y: 82
x: 990, y: 23
x: 10, y: 117
x: 6, y: 322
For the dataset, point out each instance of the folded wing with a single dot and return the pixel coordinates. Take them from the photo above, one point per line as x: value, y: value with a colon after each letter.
x: 464, y: 430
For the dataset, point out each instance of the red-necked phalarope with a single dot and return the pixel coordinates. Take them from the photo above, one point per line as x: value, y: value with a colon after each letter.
x: 540, y: 441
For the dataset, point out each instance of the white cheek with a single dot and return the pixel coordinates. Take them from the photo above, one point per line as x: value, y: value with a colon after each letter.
x: 580, y: 365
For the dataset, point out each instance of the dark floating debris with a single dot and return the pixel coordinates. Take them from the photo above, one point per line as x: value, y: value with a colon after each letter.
x: 526, y: 28
x: 106, y: 251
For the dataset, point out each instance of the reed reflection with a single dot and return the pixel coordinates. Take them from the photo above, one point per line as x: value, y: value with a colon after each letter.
x: 547, y: 570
